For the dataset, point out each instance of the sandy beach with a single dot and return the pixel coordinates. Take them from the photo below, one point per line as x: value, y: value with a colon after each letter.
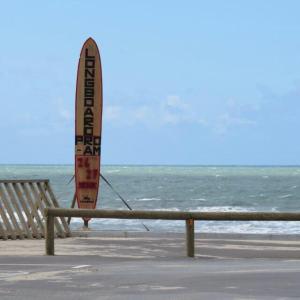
x: 130, y: 265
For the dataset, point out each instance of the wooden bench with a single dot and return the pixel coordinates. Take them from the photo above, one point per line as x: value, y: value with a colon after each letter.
x: 189, y: 217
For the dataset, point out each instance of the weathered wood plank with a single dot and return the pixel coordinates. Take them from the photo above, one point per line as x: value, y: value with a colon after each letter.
x: 35, y: 214
x: 22, y: 180
x: 24, y: 202
x: 39, y: 205
x: 190, y: 238
x: 22, y: 206
x: 3, y: 233
x: 72, y: 206
x: 174, y: 215
x: 15, y: 204
x: 43, y: 196
x: 49, y: 235
x: 6, y: 221
x: 10, y: 211
x: 47, y: 188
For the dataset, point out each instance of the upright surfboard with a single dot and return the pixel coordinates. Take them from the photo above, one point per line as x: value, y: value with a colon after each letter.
x: 88, y: 125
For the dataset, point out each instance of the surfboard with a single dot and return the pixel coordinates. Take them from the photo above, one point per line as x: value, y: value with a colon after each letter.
x: 88, y: 126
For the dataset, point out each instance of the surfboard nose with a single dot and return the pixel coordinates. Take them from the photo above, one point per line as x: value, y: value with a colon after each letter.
x: 89, y: 40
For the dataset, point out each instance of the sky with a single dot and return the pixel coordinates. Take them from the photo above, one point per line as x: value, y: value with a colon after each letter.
x: 184, y: 82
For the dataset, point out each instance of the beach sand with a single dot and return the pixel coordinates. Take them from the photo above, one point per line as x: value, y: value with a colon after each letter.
x: 128, y: 265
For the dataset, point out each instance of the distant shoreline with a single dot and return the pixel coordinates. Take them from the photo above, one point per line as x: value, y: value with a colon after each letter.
x: 162, y: 165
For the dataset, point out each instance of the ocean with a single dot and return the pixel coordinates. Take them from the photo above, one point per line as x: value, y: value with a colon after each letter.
x: 188, y: 188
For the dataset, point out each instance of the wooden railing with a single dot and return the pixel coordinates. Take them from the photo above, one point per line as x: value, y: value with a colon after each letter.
x: 189, y: 217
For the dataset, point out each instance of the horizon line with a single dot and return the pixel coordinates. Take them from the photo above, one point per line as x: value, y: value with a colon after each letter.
x: 157, y: 165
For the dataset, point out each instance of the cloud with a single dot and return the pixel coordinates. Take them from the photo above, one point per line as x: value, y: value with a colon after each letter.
x: 143, y: 114
x: 56, y: 117
x: 34, y: 132
x: 65, y: 114
x: 170, y: 111
x: 63, y: 109
x: 112, y: 112
x: 235, y: 115
x: 173, y: 110
x: 226, y: 122
x: 175, y: 102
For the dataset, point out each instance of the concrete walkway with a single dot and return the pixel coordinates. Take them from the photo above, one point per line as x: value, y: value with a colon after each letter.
x: 151, y: 266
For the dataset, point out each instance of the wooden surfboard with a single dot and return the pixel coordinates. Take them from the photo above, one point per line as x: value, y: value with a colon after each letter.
x: 88, y: 125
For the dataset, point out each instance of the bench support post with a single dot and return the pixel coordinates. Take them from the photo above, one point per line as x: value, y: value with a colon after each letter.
x: 49, y: 235
x: 190, y: 239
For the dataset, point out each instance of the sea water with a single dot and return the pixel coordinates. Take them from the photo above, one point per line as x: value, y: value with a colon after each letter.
x: 181, y: 188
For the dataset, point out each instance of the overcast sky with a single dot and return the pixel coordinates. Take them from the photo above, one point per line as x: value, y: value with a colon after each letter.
x: 185, y: 82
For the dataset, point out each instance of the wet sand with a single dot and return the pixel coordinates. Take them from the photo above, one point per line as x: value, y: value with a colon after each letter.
x: 126, y: 265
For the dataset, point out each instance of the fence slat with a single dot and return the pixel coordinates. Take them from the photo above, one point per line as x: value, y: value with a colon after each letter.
x: 3, y: 233
x: 34, y: 212
x: 11, y: 213
x: 42, y: 194
x: 6, y: 221
x: 39, y: 205
x: 23, y: 201
x: 22, y: 209
x: 19, y: 213
x: 47, y: 188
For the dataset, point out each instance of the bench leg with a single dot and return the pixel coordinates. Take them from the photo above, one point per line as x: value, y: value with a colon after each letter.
x: 49, y: 235
x: 190, y: 238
